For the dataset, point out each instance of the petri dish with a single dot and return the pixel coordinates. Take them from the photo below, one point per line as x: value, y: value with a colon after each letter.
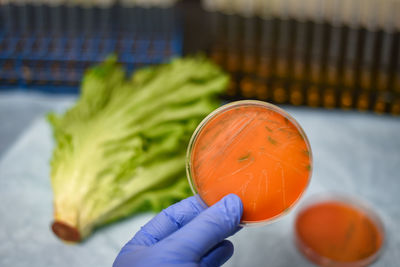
x: 338, y: 231
x: 252, y: 149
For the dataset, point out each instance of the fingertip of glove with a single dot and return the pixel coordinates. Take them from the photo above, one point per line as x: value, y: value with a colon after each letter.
x: 234, y: 202
x: 233, y: 206
x: 228, y: 245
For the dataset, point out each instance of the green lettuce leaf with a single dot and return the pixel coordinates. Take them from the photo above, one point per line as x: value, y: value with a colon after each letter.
x: 121, y: 148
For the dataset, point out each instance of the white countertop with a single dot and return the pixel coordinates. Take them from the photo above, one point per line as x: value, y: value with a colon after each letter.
x: 355, y: 153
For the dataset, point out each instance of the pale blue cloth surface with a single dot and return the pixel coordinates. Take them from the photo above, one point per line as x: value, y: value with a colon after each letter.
x: 355, y: 153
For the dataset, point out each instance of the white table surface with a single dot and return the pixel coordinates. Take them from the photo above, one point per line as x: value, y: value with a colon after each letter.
x: 354, y: 153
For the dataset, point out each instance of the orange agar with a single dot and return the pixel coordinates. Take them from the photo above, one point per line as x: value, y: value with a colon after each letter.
x: 335, y: 233
x: 254, y: 150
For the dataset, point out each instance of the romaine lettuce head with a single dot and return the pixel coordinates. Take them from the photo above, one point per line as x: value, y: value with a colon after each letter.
x: 121, y: 148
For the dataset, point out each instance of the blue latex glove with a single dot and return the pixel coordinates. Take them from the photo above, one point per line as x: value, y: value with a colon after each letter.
x: 185, y: 234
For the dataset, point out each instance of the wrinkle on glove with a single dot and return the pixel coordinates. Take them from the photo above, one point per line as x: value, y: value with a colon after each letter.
x: 185, y: 234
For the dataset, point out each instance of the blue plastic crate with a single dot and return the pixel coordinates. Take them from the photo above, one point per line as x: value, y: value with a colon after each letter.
x: 50, y: 60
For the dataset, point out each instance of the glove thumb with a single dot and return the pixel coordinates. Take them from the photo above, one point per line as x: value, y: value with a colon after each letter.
x: 209, y: 228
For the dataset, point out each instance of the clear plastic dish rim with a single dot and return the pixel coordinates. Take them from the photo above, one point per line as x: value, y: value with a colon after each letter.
x: 233, y: 105
x: 352, y: 201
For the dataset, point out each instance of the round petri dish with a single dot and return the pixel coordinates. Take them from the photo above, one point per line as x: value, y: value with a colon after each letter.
x: 252, y: 149
x: 338, y: 231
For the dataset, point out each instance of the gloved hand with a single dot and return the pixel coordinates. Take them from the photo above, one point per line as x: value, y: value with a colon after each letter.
x: 185, y: 234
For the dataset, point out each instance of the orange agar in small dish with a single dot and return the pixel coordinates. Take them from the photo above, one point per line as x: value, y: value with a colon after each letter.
x: 338, y: 231
x: 254, y: 150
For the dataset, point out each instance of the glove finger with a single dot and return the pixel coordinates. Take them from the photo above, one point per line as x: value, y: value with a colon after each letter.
x: 167, y: 222
x: 208, y: 229
x: 218, y: 255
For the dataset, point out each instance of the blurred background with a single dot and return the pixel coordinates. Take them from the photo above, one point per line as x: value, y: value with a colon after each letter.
x: 333, y: 64
x: 332, y: 54
x: 47, y: 45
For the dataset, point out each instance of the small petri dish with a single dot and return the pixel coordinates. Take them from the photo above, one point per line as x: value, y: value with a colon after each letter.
x: 252, y: 149
x: 338, y: 231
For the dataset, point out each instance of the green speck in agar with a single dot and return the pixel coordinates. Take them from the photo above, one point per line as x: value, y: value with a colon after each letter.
x: 272, y: 121
x: 269, y: 129
x: 245, y: 157
x: 286, y: 120
x: 350, y: 231
x: 308, y: 167
x: 272, y: 141
x: 286, y: 210
x: 289, y: 133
